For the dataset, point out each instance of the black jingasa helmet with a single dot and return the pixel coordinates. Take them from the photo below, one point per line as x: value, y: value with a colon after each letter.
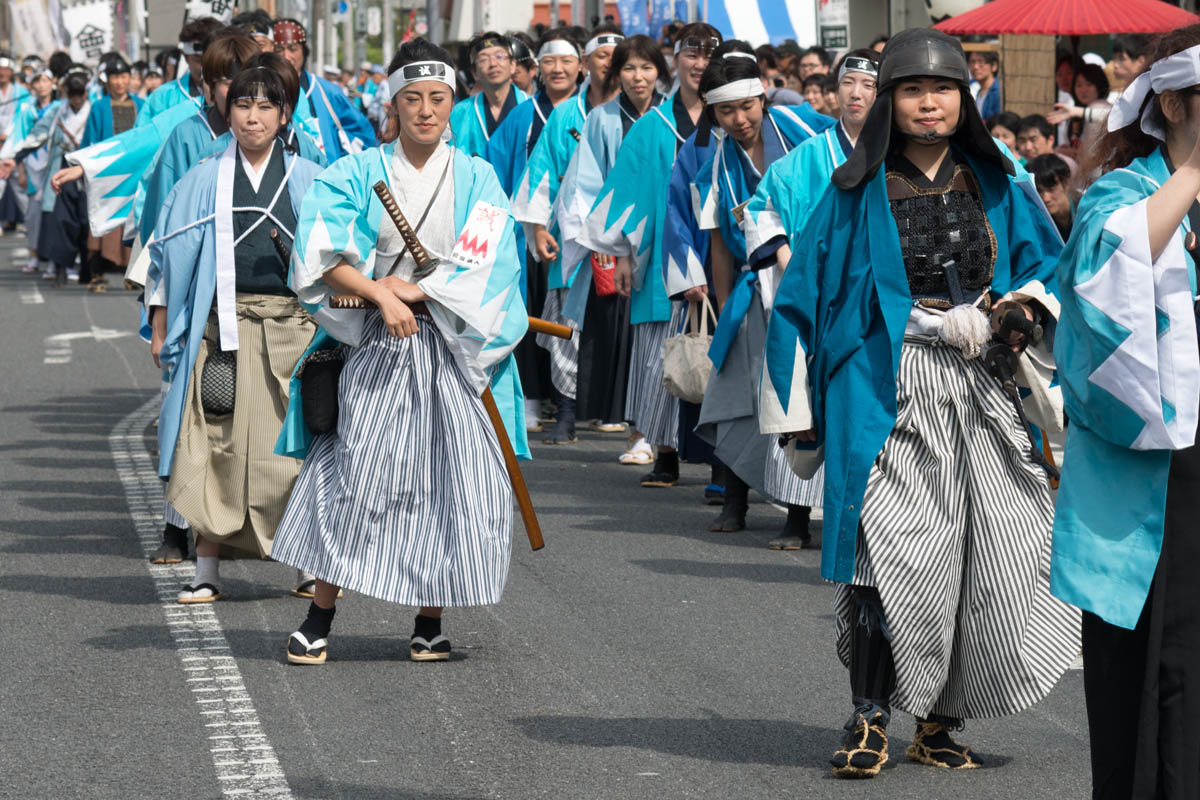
x: 917, y: 53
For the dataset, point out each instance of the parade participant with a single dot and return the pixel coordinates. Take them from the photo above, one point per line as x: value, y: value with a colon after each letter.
x: 212, y: 247
x: 533, y: 201
x: 341, y: 128
x: 409, y: 409
x: 755, y: 137
x: 476, y: 118
x: 152, y: 81
x: 13, y: 203
x: 508, y: 150
x: 137, y: 76
x: 115, y: 112
x: 937, y: 521
x: 627, y: 222
x: 258, y: 25
x: 41, y: 85
x: 193, y: 39
x: 1125, y: 549
x: 792, y: 185
x: 525, y: 67
x: 605, y: 337
x: 1053, y: 176
x: 62, y: 229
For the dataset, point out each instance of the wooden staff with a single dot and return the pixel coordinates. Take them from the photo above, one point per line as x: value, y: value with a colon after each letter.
x: 424, y: 262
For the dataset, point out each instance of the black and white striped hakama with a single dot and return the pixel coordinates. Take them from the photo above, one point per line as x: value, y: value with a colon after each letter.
x: 955, y: 536
x: 564, y: 353
x: 654, y: 410
x: 408, y: 500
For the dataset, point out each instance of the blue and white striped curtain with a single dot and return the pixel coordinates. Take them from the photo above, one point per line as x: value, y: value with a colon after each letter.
x: 762, y: 21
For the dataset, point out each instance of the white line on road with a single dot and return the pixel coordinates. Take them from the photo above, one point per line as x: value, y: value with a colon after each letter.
x: 32, y: 296
x: 245, y: 764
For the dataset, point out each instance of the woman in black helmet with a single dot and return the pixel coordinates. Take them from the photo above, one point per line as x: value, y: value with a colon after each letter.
x: 937, y: 522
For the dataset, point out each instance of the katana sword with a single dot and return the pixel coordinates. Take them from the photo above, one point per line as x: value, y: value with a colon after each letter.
x: 425, y: 266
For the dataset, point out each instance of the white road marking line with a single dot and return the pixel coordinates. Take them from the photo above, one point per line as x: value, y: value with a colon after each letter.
x: 32, y: 296
x: 242, y: 768
x: 58, y: 349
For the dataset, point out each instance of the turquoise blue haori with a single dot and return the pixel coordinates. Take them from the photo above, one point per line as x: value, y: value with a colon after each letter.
x: 1127, y: 354
x: 685, y: 243
x: 100, y: 120
x: 169, y: 95
x: 477, y: 306
x: 468, y: 121
x: 328, y: 116
x: 183, y: 259
x: 839, y: 319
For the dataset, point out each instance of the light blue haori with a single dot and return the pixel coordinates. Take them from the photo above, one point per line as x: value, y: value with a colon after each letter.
x: 1127, y: 358
x: 545, y: 170
x: 167, y: 96
x: 114, y: 170
x: 476, y: 306
x: 628, y: 215
x: 787, y: 192
x: 685, y: 243
x: 603, y: 133
x: 839, y: 318
x: 182, y: 150
x: 184, y: 265
x: 25, y: 120
x: 468, y: 122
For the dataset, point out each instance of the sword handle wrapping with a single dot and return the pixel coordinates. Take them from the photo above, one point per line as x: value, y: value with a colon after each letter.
x: 406, y: 232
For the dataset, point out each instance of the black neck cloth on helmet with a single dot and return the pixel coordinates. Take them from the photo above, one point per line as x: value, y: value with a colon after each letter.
x: 917, y: 53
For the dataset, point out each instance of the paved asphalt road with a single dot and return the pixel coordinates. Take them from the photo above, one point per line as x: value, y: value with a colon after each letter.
x: 638, y: 655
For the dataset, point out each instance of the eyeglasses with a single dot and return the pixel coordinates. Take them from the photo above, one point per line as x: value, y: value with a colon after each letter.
x: 499, y: 58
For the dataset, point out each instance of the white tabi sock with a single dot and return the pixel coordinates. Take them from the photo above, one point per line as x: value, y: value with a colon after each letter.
x: 207, y: 570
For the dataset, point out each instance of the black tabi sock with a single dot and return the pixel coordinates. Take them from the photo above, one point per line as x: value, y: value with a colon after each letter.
x: 175, y: 536
x: 872, y: 668
x: 668, y: 463
x: 427, y: 627
x: 318, y: 623
x: 717, y: 476
x: 797, y: 520
x: 737, y: 491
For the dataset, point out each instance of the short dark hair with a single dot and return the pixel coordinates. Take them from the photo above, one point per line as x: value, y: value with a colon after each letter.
x: 1005, y: 119
x: 607, y: 27
x: 1035, y: 122
x: 255, y: 23
x: 480, y: 38
x: 224, y: 58
x: 1134, y: 45
x: 76, y: 85
x: 1048, y: 171
x: 200, y: 31
x: 699, y: 29
x: 59, y: 63
x: 1094, y: 74
x: 813, y: 80
x: 641, y: 46
x: 990, y: 56
x: 821, y: 53
x: 768, y: 56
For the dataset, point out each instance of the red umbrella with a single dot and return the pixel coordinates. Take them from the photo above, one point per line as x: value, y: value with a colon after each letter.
x: 1069, y: 17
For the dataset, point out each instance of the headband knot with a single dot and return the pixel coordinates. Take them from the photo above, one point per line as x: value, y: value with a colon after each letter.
x: 1178, y: 71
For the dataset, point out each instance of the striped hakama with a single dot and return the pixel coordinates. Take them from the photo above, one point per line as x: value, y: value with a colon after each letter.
x: 654, y: 410
x: 729, y: 420
x: 564, y: 353
x: 226, y: 479
x: 955, y: 537
x: 408, y: 500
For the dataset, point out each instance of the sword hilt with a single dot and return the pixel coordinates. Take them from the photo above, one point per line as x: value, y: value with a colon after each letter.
x: 409, y: 236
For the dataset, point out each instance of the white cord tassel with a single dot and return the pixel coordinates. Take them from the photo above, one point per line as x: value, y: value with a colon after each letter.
x: 967, y: 328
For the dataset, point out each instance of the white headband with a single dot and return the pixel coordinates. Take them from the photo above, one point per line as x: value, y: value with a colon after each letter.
x: 735, y: 90
x: 420, y: 71
x: 558, y: 47
x: 854, y: 64
x: 740, y: 54
x: 5, y: 62
x: 1177, y: 71
x: 190, y: 49
x: 602, y: 40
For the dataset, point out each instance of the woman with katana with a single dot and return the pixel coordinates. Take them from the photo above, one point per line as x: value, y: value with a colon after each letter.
x: 407, y: 498
x: 1125, y: 544
x: 755, y: 137
x: 882, y: 360
x: 229, y: 369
